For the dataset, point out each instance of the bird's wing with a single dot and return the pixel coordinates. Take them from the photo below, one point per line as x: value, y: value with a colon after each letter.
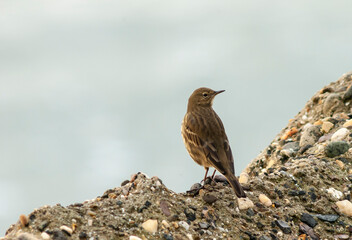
x: 229, y: 155
x: 206, y: 145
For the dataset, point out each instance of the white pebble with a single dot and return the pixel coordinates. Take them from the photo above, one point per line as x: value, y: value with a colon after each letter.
x: 165, y: 223
x: 66, y: 229
x: 184, y: 225
x: 45, y: 236
x: 335, y: 193
x: 90, y: 222
x: 265, y: 200
x: 190, y: 237
x: 326, y: 127
x: 345, y: 207
x: 150, y: 225
x: 340, y: 134
x: 243, y: 178
x: 135, y: 238
x: 244, y: 203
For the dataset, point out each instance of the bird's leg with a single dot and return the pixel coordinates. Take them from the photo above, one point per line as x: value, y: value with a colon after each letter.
x: 206, y: 173
x: 212, y: 176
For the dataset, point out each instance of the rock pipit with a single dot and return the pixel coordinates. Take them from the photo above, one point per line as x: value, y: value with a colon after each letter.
x: 205, y: 138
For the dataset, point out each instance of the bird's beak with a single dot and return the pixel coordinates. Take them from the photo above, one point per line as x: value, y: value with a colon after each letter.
x: 217, y: 92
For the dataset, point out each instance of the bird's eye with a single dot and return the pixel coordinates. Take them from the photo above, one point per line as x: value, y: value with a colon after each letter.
x: 205, y: 94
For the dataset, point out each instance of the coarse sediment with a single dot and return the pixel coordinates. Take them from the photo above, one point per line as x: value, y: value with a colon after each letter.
x: 300, y: 186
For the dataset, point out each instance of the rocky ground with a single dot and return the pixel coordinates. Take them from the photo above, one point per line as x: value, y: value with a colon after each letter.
x: 300, y: 186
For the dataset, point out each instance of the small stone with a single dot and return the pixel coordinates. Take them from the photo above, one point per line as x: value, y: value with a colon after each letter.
x: 283, y: 226
x: 265, y: 200
x: 243, y: 179
x: 305, y: 229
x: 340, y: 163
x: 90, y: 222
x: 333, y: 103
x: 59, y: 235
x: 43, y: 225
x: 342, y: 236
x: 325, y: 138
x: 204, y: 225
x: 45, y: 236
x: 190, y: 215
x: 196, y: 187
x: 26, y: 236
x: 184, y: 225
x: 244, y: 203
x: 265, y: 238
x: 348, y: 123
x: 124, y: 183
x: 220, y: 178
x: 165, y: 223
x: 310, y: 136
x: 168, y: 236
x: 335, y: 149
x: 83, y: 235
x: 340, y: 134
x: 24, y: 220
x: 335, y: 193
x: 150, y: 225
x: 326, y: 127
x: 135, y: 238
x: 327, y: 217
x: 66, y: 229
x: 209, y: 198
x: 309, y: 220
x: 91, y: 213
x: 345, y: 207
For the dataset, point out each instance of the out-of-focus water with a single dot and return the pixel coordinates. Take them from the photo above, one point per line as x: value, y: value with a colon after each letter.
x: 94, y: 91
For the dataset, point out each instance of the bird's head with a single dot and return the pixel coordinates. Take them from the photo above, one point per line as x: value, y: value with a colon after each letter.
x: 202, y: 97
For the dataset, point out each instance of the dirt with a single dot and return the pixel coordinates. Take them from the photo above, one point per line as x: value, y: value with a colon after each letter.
x: 294, y: 172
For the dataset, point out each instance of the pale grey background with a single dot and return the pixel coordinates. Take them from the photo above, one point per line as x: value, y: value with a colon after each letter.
x: 94, y: 91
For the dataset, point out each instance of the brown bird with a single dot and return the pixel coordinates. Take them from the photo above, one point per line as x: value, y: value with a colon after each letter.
x: 205, y: 138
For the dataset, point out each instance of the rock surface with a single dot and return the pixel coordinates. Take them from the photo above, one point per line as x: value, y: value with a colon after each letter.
x: 299, y: 172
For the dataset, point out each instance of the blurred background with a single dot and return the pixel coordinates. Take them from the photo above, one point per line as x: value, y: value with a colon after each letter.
x: 94, y: 91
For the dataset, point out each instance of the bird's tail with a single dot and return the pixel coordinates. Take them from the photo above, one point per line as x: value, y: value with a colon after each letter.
x: 236, y: 186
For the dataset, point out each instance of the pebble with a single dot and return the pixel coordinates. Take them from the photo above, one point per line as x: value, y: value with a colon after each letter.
x: 305, y: 229
x: 326, y: 126
x: 340, y: 163
x: 265, y: 238
x: 135, y: 238
x: 332, y: 104
x: 334, y: 149
x: 335, y: 193
x: 290, y: 149
x: 348, y: 123
x: 66, y: 229
x: 26, y: 236
x: 327, y: 217
x: 244, y: 203
x: 345, y: 207
x: 283, y: 226
x: 265, y: 200
x: 309, y: 220
x: 244, y: 177
x: 340, y: 134
x: 165, y: 223
x: 342, y: 236
x: 24, y: 220
x: 59, y: 235
x: 219, y: 178
x: 325, y: 138
x: 204, y: 225
x: 90, y: 222
x: 209, y: 198
x: 310, y: 136
x: 45, y: 236
x: 150, y: 225
x: 184, y: 225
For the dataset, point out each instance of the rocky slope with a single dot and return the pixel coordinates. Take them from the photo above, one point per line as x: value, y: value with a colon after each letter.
x: 300, y: 186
